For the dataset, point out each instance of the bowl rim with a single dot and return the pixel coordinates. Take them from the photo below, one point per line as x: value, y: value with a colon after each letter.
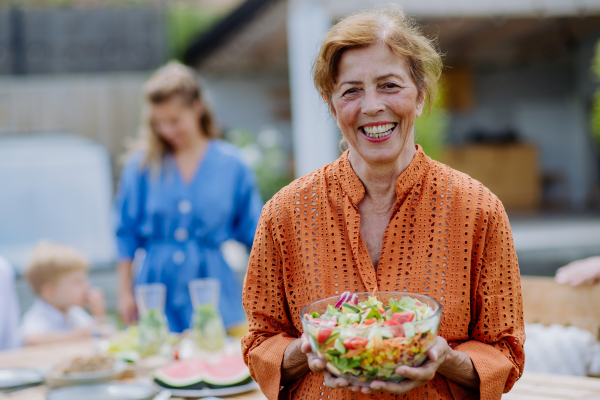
x: 369, y: 327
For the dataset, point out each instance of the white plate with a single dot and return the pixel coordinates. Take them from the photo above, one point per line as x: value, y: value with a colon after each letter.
x: 104, y: 391
x: 212, y: 392
x: 19, y: 376
x: 80, y: 378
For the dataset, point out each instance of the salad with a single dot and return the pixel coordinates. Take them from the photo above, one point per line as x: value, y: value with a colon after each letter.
x: 366, y: 340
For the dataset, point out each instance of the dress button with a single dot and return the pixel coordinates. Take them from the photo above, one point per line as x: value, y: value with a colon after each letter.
x: 179, y: 257
x: 184, y: 206
x: 181, y: 234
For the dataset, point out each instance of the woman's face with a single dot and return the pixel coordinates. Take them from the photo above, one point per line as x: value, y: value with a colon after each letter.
x: 177, y: 122
x: 375, y: 103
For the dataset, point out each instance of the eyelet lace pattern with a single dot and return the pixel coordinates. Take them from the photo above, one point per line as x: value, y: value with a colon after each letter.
x: 449, y: 238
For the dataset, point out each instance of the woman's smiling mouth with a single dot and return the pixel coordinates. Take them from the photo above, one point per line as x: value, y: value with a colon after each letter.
x: 378, y: 132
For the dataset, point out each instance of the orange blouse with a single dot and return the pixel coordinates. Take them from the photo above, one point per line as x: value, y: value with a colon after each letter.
x: 448, y: 238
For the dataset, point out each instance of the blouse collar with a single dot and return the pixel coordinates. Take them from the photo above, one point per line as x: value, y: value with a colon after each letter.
x: 354, y: 188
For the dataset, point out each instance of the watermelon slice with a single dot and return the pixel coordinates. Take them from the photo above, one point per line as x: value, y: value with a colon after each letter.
x: 195, y: 374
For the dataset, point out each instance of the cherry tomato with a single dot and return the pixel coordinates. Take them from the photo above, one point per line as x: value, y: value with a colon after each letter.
x: 403, y: 316
x: 323, y: 335
x: 355, y: 342
x: 369, y: 321
x: 397, y: 330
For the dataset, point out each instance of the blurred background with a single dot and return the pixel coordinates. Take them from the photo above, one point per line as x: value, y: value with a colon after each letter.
x: 519, y: 109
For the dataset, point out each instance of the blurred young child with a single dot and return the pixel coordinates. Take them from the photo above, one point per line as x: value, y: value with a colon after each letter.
x: 58, y: 275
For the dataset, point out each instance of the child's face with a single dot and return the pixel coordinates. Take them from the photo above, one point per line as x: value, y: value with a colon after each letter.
x: 70, y: 290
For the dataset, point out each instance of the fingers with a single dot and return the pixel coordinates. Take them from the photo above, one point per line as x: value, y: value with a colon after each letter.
x: 315, y: 363
x: 439, y: 349
x: 424, y: 373
x: 305, y: 346
x: 333, y: 382
x: 415, y: 376
x: 395, y: 388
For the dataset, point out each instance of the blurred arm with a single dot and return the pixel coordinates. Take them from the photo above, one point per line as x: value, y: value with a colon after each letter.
x: 127, y: 307
x: 128, y: 215
x: 586, y: 271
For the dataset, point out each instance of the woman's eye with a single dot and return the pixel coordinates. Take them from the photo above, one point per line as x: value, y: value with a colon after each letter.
x: 390, y: 86
x: 350, y: 91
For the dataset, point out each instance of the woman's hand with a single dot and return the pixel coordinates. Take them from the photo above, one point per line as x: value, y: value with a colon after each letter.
x: 127, y: 307
x: 317, y: 364
x: 586, y: 271
x: 441, y: 358
x: 414, y: 377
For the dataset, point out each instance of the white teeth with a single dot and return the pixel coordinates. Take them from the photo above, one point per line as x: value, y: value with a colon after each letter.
x: 378, y: 130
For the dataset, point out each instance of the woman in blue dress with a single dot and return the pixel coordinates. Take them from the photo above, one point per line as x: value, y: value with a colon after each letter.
x: 179, y: 199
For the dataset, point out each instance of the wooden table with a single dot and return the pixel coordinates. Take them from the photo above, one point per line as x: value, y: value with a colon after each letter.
x: 42, y: 356
x: 537, y: 386
x: 532, y: 386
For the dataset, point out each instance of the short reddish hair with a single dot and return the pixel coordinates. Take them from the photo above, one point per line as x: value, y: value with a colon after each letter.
x: 388, y: 25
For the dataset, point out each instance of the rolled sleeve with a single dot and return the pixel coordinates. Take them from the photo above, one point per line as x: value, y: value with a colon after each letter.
x: 265, y: 363
x: 497, y: 330
x: 492, y: 367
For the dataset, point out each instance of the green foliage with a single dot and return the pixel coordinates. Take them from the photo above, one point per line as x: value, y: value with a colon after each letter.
x: 185, y: 22
x: 431, y: 130
x: 269, y: 161
x: 595, y: 122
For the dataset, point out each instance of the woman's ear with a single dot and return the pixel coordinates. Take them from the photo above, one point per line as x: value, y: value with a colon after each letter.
x: 420, y: 105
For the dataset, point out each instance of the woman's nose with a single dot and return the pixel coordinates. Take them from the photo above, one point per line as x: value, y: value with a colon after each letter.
x: 372, y: 104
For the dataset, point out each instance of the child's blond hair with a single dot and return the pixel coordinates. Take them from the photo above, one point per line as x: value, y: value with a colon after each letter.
x: 52, y: 261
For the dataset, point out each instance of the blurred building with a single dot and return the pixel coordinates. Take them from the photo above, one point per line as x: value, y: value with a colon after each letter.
x: 518, y: 81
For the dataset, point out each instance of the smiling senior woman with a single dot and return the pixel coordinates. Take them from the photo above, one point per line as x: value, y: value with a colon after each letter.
x: 384, y: 217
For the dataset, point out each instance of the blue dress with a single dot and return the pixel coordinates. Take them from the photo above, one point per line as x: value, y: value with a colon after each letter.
x: 181, y: 226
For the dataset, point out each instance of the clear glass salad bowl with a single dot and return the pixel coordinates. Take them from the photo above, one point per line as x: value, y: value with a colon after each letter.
x: 363, y: 337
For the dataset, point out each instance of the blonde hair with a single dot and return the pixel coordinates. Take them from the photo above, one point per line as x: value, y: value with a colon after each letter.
x: 50, y: 262
x: 388, y: 25
x: 173, y: 80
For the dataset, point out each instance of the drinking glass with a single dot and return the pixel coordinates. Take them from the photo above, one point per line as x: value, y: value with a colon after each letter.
x: 208, y: 330
x: 153, y: 331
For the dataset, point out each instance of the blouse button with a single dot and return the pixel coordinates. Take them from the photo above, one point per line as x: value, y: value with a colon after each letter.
x: 184, y: 206
x: 178, y: 257
x: 181, y: 234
